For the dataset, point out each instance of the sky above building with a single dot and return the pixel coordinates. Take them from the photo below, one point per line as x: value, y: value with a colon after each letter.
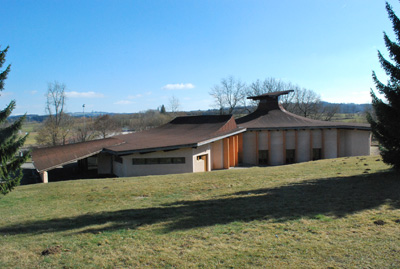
x: 130, y: 56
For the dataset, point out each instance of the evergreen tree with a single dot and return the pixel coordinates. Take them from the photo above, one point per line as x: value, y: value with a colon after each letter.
x: 162, y: 110
x: 10, y: 142
x: 386, y: 126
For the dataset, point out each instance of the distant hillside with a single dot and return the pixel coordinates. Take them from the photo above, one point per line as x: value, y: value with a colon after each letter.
x: 343, y: 108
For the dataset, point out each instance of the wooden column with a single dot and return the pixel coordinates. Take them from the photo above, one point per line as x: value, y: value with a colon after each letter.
x: 226, y: 153
x: 44, y: 176
x: 240, y: 148
x: 232, y: 151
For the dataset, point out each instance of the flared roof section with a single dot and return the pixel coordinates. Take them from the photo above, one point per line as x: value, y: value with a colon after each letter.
x: 189, y: 131
x: 45, y: 159
x: 270, y: 115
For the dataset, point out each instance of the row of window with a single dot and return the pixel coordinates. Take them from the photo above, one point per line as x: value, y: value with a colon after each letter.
x: 290, y: 156
x: 173, y: 160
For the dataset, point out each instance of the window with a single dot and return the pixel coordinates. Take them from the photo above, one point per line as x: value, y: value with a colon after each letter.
x: 316, y: 154
x: 149, y: 161
x: 263, y: 157
x: 290, y: 156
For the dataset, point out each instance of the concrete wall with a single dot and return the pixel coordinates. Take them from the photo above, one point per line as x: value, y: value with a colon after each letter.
x: 354, y: 143
x: 249, y: 148
x: 303, y: 146
x: 351, y: 143
x: 276, y: 148
x: 127, y: 169
x: 199, y: 165
x: 330, y: 144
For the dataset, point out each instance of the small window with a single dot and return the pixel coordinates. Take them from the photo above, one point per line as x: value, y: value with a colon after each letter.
x: 290, y: 156
x: 317, y: 154
x: 165, y: 160
x: 149, y: 161
x: 138, y: 161
x: 118, y: 159
x: 263, y: 157
x: 178, y: 160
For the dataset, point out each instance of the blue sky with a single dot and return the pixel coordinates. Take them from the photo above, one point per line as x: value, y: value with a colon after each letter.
x: 130, y: 56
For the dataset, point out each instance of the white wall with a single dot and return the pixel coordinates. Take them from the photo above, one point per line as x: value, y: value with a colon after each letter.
x: 198, y: 165
x: 290, y: 139
x: 330, y: 141
x: 360, y: 143
x: 276, y: 148
x: 249, y: 148
x: 128, y: 169
x: 316, y: 139
x: 303, y: 146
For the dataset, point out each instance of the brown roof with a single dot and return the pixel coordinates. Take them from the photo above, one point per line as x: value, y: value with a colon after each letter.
x: 272, y: 116
x: 45, y: 159
x: 181, y: 132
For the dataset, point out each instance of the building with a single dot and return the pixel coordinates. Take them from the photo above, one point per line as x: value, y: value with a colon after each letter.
x: 275, y: 136
x: 184, y: 145
x: 268, y: 136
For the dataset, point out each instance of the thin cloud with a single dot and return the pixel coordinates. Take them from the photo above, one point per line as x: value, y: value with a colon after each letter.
x: 74, y: 94
x: 135, y: 96
x: 178, y: 86
x: 123, y: 102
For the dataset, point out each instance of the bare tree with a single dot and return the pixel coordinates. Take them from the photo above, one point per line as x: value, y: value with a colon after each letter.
x: 303, y: 102
x: 174, y: 104
x: 84, y: 129
x: 58, y: 124
x: 105, y: 125
x: 229, y: 94
x: 270, y: 85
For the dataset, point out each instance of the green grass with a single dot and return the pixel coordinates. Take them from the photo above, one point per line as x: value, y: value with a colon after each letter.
x: 319, y: 214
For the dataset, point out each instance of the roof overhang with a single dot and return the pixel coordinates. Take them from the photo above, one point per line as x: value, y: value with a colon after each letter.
x: 174, y: 147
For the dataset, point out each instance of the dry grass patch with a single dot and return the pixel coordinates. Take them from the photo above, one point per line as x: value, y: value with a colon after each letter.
x: 329, y: 213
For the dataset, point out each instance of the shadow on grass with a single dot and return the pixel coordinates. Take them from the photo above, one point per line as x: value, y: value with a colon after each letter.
x: 336, y: 197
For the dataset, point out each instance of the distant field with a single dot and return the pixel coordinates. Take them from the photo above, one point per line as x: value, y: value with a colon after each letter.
x: 340, y: 213
x: 32, y: 129
x: 356, y: 117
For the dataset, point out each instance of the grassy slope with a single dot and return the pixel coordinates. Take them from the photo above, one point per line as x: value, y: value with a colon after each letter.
x: 317, y: 214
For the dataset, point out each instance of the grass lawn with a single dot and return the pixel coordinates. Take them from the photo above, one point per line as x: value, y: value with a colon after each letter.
x: 339, y: 213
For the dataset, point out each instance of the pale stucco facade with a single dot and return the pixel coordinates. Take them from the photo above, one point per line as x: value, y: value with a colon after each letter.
x: 306, y: 145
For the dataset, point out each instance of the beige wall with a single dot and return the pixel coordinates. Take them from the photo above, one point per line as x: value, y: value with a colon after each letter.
x: 191, y: 163
x: 199, y: 165
x: 276, y: 148
x: 249, y: 148
x: 354, y: 143
x: 303, y: 146
x: 351, y: 143
x: 330, y: 143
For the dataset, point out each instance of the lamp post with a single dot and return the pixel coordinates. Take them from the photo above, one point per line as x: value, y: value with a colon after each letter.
x: 84, y: 122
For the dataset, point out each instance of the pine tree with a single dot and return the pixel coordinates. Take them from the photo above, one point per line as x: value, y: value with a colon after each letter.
x: 386, y: 126
x: 10, y: 141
